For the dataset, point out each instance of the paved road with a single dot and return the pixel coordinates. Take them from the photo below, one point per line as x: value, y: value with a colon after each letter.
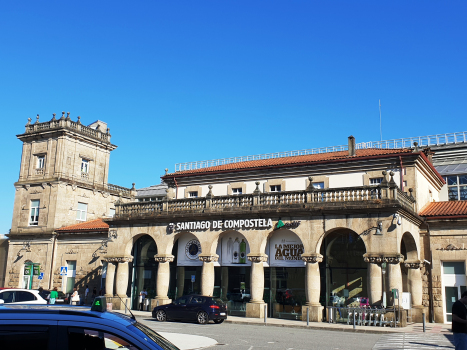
x: 256, y: 337
x: 252, y: 337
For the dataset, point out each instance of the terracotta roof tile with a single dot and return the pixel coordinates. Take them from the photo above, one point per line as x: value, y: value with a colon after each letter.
x: 451, y: 208
x: 309, y: 158
x: 92, y: 225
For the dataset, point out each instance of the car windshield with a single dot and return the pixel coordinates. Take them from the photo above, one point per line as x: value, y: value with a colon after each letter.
x: 155, y: 337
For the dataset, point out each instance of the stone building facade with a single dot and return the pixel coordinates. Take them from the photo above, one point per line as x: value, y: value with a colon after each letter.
x: 62, y: 181
x: 280, y: 235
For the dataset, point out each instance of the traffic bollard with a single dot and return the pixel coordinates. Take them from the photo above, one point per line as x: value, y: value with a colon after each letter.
x: 265, y: 313
x: 307, y: 316
x: 424, y: 323
x: 354, y: 320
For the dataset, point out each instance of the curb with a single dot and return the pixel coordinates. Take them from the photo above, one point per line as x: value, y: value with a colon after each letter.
x: 320, y: 328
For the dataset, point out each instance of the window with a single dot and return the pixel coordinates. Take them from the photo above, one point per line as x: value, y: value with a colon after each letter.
x: 81, y: 212
x: 193, y: 194
x: 24, y: 296
x: 7, y: 297
x: 40, y: 162
x: 375, y: 181
x: 34, y: 217
x: 275, y: 188
x: 25, y: 336
x: 111, y: 212
x: 236, y: 191
x: 85, y: 166
x: 318, y: 185
x: 457, y: 187
x: 79, y: 338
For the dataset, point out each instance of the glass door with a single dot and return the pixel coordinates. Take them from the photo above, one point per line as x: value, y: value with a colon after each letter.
x: 451, y: 295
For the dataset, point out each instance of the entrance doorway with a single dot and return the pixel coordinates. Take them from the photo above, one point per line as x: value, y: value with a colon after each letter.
x: 144, y: 270
x: 454, y: 284
x: 343, y: 271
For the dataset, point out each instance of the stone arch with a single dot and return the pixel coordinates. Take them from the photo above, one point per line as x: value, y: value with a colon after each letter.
x: 144, y: 266
x: 408, y: 247
x: 131, y: 242
x: 319, y: 242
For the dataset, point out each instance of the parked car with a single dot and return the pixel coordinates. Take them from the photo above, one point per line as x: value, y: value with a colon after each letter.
x: 45, y: 327
x: 21, y: 296
x: 197, y: 308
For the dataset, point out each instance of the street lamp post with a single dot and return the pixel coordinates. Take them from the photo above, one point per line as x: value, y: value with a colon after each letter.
x: 383, y: 270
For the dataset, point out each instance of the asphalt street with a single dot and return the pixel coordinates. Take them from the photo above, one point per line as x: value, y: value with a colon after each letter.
x: 252, y: 337
x: 255, y: 337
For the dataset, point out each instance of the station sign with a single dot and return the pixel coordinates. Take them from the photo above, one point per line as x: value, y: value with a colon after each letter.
x: 221, y: 224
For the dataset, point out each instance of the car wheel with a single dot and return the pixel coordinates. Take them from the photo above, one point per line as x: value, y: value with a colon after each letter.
x: 203, y: 317
x: 219, y: 321
x: 161, y: 316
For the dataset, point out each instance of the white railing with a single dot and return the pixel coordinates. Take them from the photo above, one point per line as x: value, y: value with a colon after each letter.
x: 423, y: 141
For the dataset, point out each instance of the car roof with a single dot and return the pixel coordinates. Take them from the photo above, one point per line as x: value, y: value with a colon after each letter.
x: 58, y: 312
x: 21, y: 290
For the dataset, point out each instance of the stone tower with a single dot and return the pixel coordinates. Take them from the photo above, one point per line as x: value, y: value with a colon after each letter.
x: 62, y: 181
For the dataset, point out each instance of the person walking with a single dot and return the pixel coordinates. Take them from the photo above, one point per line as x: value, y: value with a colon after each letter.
x: 142, y: 295
x: 86, y: 294
x: 53, y: 296
x: 459, y: 322
x: 42, y: 294
x: 75, y: 297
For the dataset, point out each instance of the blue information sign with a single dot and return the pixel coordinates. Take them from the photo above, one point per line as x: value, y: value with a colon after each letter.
x: 63, y: 270
x: 193, y: 278
x: 41, y: 276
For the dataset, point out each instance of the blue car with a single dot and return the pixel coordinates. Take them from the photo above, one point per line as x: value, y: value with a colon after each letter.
x: 54, y: 327
x: 197, y: 308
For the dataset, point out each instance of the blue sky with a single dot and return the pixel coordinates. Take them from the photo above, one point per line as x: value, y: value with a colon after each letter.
x: 182, y: 81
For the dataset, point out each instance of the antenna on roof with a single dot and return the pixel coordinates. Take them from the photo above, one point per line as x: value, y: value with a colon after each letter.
x: 380, y: 128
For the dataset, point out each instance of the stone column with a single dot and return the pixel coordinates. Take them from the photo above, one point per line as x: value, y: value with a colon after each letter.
x: 122, y: 277
x: 163, y: 279
x: 207, y: 273
x: 375, y: 283
x: 255, y: 308
x: 395, y: 281
x: 416, y: 289
x: 312, y: 287
x: 109, y: 279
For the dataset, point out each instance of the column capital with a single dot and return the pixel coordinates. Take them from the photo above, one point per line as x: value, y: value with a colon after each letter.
x: 118, y: 259
x: 257, y: 258
x: 208, y: 257
x: 163, y: 258
x: 395, y: 258
x: 312, y: 258
x: 414, y: 264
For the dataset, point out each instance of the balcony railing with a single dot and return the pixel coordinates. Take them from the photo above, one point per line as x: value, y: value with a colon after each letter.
x: 267, y: 201
x: 67, y: 123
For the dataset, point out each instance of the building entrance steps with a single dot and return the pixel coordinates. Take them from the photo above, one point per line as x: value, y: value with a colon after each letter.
x: 432, y: 328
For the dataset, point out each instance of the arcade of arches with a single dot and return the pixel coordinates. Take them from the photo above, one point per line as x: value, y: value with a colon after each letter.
x: 284, y: 276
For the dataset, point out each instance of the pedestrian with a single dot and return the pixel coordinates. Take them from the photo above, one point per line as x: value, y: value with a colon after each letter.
x: 53, y: 296
x: 142, y: 295
x: 42, y: 294
x: 459, y: 322
x: 75, y: 297
x: 101, y: 292
x: 86, y: 294
x: 94, y: 293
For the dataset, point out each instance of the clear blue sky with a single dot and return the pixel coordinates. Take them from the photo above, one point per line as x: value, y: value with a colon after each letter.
x: 191, y: 80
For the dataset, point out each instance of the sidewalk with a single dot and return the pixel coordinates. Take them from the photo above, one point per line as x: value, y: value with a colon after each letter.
x: 432, y: 328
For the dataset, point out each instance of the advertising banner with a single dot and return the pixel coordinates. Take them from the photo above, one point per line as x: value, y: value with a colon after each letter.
x: 234, y: 250
x: 285, y: 250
